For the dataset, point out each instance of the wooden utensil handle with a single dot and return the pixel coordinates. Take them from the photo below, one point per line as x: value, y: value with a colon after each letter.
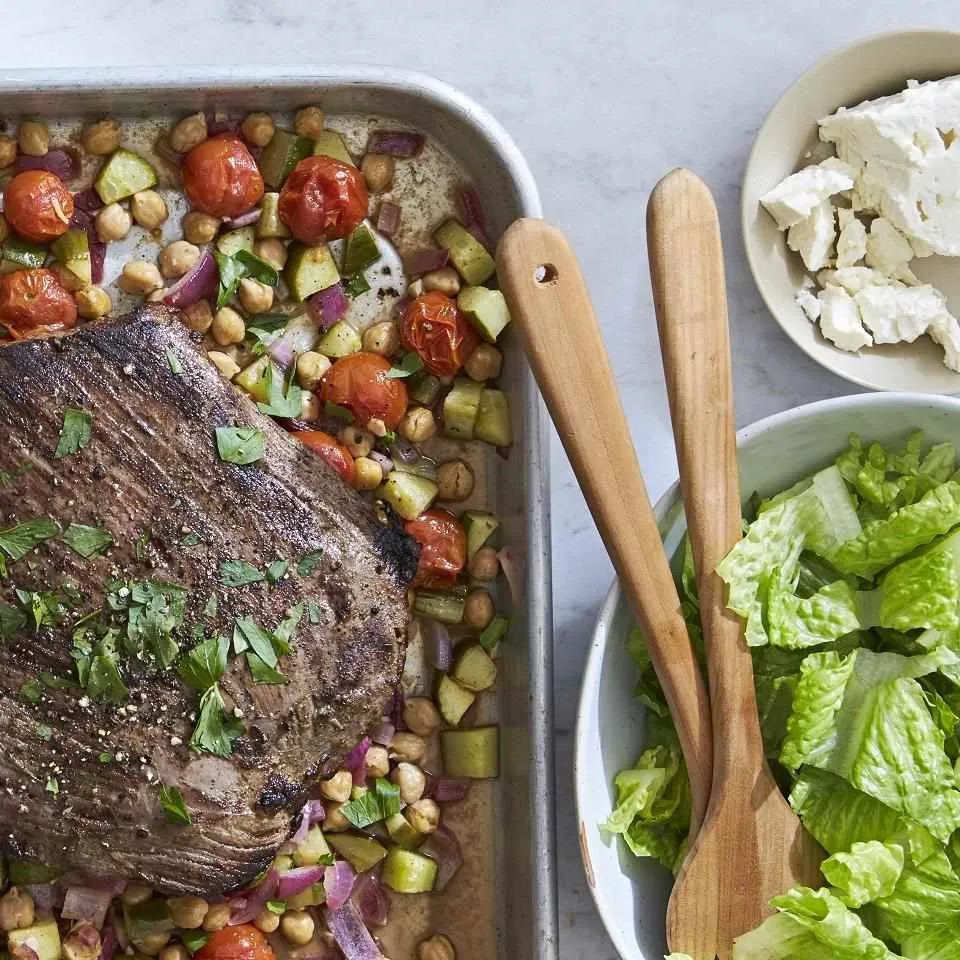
x: 686, y: 268
x: 549, y: 303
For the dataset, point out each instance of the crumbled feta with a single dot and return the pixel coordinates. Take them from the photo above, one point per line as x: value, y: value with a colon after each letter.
x: 946, y: 331
x: 897, y: 314
x: 889, y: 251
x: 813, y: 237
x: 840, y: 320
x: 796, y: 197
x: 809, y: 304
x: 852, y: 241
x: 853, y: 279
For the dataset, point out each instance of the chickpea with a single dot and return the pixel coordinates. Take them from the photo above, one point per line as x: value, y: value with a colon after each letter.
x: 377, y: 761
x: 335, y: 821
x: 368, y: 473
x: 421, y: 715
x: 189, y: 132
x: 135, y: 894
x: 423, y: 816
x: 446, y: 280
x: 140, y: 277
x: 176, y: 951
x: 16, y: 910
x: 311, y: 369
x: 218, y: 916
x: 113, y: 223
x: 418, y: 424
x: 273, y: 251
x: 484, y: 363
x: 415, y: 288
x: 82, y: 943
x: 178, y: 258
x: 101, y: 138
x: 93, y: 303
x: 255, y: 297
x: 266, y: 921
x: 377, y: 427
x: 149, y: 209
x: 408, y: 747
x: 152, y: 944
x: 8, y: 152
x: 228, y: 327
x: 227, y: 366
x: 455, y: 480
x: 309, y: 406
x: 411, y: 780
x: 485, y: 564
x: 437, y: 947
x: 297, y: 926
x: 377, y: 170
x: 188, y: 913
x: 4, y: 228
x: 257, y: 129
x: 478, y: 610
x: 358, y: 442
x: 199, y: 316
x: 34, y: 138
x: 156, y: 296
x: 199, y: 227
x: 309, y: 122
x: 338, y: 787
x: 382, y: 338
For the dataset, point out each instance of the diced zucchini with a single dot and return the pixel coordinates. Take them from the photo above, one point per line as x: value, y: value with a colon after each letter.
x: 468, y: 254
x: 283, y: 862
x: 494, y: 634
x: 439, y: 605
x: 407, y: 872
x: 281, y: 155
x: 407, y: 493
x: 424, y: 388
x: 360, y: 251
x: 72, y: 250
x: 313, y: 896
x: 330, y: 144
x: 402, y: 833
x: 479, y: 527
x: 23, y: 253
x: 28, y: 872
x: 493, y: 419
x: 460, y: 408
x: 313, y: 849
x: 233, y: 241
x: 474, y: 669
x: 364, y: 853
x: 339, y: 341
x: 145, y: 919
x: 270, y: 224
x: 473, y: 753
x: 43, y: 938
x: 453, y: 700
x: 309, y: 270
x: 486, y: 309
x: 123, y: 175
x: 254, y: 379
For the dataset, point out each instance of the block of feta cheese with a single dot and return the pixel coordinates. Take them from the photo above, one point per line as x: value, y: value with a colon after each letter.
x: 889, y: 251
x: 898, y: 314
x: 946, y: 331
x: 840, y: 320
x: 906, y: 150
x: 813, y: 237
x: 796, y: 197
x: 852, y: 240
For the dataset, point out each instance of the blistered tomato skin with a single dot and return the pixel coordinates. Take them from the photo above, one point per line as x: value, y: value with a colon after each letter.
x: 330, y: 450
x: 360, y: 383
x: 434, y: 326
x: 241, y: 942
x: 323, y: 199
x: 38, y: 206
x: 221, y: 177
x: 443, y: 548
x: 33, y: 302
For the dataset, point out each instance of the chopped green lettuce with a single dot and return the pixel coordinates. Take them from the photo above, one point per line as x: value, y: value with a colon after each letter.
x: 864, y: 872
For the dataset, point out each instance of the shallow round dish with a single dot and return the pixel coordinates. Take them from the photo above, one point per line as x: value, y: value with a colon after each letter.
x: 631, y: 894
x: 872, y: 68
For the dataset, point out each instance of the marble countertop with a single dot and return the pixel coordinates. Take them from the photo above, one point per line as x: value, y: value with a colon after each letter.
x: 603, y: 98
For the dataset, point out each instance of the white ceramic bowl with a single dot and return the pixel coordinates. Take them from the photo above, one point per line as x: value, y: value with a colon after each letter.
x: 631, y: 894
x: 876, y: 67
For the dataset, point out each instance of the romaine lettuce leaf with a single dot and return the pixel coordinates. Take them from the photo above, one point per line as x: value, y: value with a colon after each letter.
x: 864, y: 872
x: 795, y: 623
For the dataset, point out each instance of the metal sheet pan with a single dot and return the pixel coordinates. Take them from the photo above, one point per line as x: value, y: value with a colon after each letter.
x: 518, y: 812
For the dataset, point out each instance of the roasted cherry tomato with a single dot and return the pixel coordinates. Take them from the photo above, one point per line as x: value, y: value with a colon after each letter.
x: 323, y: 199
x: 360, y: 383
x: 327, y: 448
x: 241, y: 942
x: 34, y: 302
x: 221, y: 177
x: 443, y: 548
x: 433, y: 325
x: 37, y: 205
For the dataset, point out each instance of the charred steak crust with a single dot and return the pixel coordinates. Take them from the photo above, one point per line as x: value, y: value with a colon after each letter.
x: 151, y: 471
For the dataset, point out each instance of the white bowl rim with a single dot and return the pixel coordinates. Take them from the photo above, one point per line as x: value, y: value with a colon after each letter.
x: 747, y: 211
x: 590, y: 684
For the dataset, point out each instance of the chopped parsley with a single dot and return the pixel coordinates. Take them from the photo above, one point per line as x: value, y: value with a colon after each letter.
x: 12, y: 621
x: 258, y: 640
x: 277, y: 570
x: 409, y: 365
x: 193, y: 940
x: 283, y: 399
x: 314, y: 612
x: 190, y: 539
x: 278, y: 907
x: 215, y: 730
x: 309, y: 562
x: 378, y: 803
x: 263, y: 329
x: 356, y: 285
x: 240, y: 445
x: 234, y: 269
x: 105, y: 758
x: 98, y: 667
x: 7, y: 479
x: 176, y: 367
x: 262, y: 673
x: 44, y: 732
x: 75, y: 433
x: 335, y: 410
x: 53, y: 786
x: 205, y: 664
x: 87, y: 541
x: 140, y: 547
x: 46, y: 608
x: 16, y: 542
x: 213, y: 605
x: 239, y: 573
x: 173, y: 806
x: 258, y: 268
x: 30, y: 691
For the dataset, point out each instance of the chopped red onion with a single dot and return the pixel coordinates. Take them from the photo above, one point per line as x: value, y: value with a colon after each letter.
x: 244, y: 220
x: 83, y: 220
x: 108, y: 943
x: 86, y: 903
x: 405, y: 452
x: 87, y: 934
x: 200, y: 282
x: 25, y: 952
x: 383, y: 733
x: 440, y: 652
x: 396, y: 708
x: 119, y: 930
x: 396, y: 143
x: 46, y: 896
x: 247, y: 907
x: 313, y: 812
x: 297, y: 880
x: 221, y: 123
x: 442, y: 846
x: 63, y: 163
x: 448, y: 789
x: 351, y: 933
x: 98, y: 255
x: 512, y: 566
x: 372, y: 900
x: 356, y: 762
x: 425, y: 261
x: 282, y: 351
x: 87, y: 200
x: 470, y: 207
x: 388, y: 218
x: 338, y: 881
x: 386, y: 464
x: 328, y: 306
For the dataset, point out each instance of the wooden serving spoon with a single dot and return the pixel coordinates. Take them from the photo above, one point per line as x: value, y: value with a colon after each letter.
x: 548, y: 300
x: 751, y: 845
